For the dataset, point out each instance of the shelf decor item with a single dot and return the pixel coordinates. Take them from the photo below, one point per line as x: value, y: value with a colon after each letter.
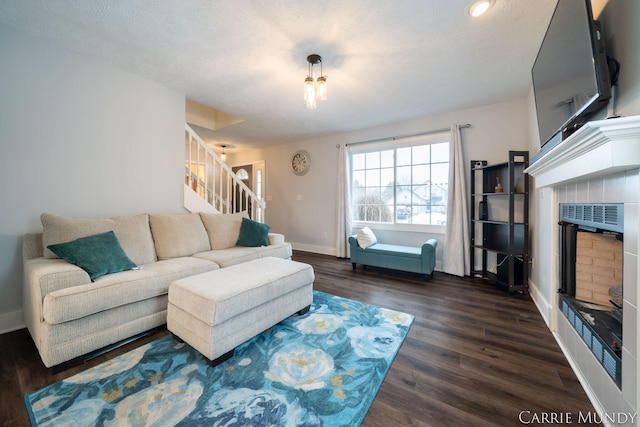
x: 499, y: 188
x: 483, y: 212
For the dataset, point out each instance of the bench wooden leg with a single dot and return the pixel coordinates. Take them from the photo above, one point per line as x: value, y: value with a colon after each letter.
x: 353, y: 264
x: 304, y: 310
x: 215, y: 362
x: 218, y: 360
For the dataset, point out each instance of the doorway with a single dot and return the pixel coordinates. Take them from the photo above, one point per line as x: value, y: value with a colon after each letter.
x: 252, y: 174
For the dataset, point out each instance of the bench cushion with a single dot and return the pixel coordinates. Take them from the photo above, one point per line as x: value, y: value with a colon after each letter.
x: 395, y: 250
x: 220, y: 295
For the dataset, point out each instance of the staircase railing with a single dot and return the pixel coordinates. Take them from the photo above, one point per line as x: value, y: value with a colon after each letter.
x: 211, y: 185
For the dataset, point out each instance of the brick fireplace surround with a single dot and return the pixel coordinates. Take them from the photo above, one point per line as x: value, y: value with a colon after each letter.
x: 599, y: 163
x: 598, y: 267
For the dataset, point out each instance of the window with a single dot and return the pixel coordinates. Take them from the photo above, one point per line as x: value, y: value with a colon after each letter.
x: 401, y: 184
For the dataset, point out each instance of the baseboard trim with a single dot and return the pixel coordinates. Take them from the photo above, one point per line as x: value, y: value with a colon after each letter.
x: 542, y: 304
x: 323, y: 250
x: 10, y: 322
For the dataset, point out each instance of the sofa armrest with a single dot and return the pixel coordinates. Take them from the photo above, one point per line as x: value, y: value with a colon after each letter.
x: 42, y: 276
x: 429, y: 246
x: 353, y: 242
x: 429, y: 255
x: 276, y: 238
x: 353, y: 249
x: 32, y: 246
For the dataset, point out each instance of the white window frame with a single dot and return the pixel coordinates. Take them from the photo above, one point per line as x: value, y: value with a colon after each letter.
x: 393, y: 144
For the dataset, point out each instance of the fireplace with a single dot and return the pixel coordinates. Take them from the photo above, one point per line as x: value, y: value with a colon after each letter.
x: 597, y: 165
x: 591, y: 278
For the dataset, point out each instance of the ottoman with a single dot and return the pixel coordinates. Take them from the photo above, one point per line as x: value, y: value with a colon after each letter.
x: 216, y: 311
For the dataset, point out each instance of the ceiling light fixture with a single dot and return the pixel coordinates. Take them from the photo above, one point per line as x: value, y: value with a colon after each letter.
x: 480, y: 7
x: 314, y: 90
x: 223, y: 156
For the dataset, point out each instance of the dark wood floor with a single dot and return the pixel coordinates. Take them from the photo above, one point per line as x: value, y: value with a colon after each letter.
x: 473, y: 357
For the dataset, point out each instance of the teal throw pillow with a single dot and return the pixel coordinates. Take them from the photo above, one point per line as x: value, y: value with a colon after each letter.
x: 253, y: 233
x: 98, y: 254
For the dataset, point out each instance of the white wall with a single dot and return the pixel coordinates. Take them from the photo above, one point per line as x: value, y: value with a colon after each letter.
x: 539, y: 231
x: 620, y: 26
x: 78, y: 138
x: 619, y: 20
x: 304, y: 208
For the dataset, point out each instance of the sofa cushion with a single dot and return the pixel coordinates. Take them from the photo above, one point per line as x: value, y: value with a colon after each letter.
x: 178, y: 235
x: 132, y: 232
x: 134, y: 235
x: 253, y: 233
x: 239, y: 254
x: 98, y: 254
x: 60, y: 229
x: 276, y: 238
x: 366, y: 238
x: 119, y: 289
x: 223, y: 229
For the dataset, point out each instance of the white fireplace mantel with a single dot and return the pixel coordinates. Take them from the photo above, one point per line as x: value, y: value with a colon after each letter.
x: 598, y: 148
x: 599, y: 154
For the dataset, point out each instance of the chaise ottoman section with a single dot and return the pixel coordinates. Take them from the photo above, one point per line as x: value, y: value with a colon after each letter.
x: 216, y: 311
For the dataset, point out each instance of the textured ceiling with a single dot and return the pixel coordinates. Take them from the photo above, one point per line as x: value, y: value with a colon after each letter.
x: 386, y: 61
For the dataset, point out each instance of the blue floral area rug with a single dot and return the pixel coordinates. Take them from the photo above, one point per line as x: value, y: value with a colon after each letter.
x: 320, y: 369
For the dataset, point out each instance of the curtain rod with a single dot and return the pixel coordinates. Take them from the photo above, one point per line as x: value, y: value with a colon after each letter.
x: 393, y: 138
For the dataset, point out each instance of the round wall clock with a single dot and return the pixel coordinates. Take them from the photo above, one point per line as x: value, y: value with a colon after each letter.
x: 300, y: 162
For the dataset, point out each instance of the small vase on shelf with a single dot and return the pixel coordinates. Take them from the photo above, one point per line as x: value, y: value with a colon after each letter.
x: 499, y: 188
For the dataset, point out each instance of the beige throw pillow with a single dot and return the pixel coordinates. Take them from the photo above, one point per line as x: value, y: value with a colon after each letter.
x: 132, y: 232
x: 60, y: 229
x: 223, y: 229
x: 135, y: 237
x: 178, y: 235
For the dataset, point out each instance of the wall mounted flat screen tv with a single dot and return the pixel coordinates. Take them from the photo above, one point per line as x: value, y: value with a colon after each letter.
x: 570, y: 74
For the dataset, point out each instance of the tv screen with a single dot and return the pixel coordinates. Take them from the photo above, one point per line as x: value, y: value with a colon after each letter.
x: 570, y: 73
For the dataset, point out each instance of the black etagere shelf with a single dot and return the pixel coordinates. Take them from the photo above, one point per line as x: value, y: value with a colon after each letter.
x: 499, y: 221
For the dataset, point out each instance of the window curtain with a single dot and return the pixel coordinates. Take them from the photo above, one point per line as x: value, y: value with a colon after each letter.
x: 343, y: 202
x: 456, y: 256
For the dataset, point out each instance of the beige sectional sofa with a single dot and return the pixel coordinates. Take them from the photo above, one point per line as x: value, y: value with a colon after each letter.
x: 69, y: 315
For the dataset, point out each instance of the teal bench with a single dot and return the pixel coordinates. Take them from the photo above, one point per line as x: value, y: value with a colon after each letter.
x: 405, y: 258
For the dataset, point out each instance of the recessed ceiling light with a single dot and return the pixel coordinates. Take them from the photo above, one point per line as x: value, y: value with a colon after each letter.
x: 480, y: 7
